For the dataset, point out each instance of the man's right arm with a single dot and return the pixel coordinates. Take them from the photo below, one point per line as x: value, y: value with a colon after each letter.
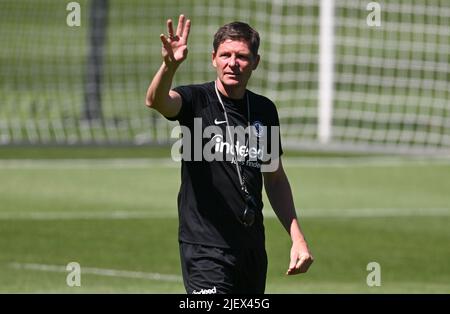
x: 174, y: 51
x: 160, y: 97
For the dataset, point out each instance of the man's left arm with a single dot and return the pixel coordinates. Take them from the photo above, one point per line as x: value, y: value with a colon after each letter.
x: 279, y: 193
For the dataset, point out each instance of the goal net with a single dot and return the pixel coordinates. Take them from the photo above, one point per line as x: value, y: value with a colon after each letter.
x: 385, y: 89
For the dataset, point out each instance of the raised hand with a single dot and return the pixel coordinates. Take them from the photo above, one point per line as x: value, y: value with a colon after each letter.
x: 174, y: 48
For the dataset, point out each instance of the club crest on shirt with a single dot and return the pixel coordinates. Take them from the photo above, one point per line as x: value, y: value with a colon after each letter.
x: 258, y: 129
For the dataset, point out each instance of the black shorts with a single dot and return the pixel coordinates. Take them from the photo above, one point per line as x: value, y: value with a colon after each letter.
x: 226, y: 271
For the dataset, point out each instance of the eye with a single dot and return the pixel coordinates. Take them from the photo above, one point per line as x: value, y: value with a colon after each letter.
x: 243, y: 57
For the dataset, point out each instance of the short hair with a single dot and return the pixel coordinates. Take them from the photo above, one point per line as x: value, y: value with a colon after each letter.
x: 237, y: 31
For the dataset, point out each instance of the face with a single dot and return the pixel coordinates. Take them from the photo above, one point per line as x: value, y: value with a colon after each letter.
x: 234, y: 63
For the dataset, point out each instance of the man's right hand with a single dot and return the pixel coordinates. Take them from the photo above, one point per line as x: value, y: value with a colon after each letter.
x: 174, y: 48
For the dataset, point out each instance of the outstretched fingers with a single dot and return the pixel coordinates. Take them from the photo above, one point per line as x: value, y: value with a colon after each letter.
x: 180, y: 25
x: 174, y: 44
x: 186, y: 30
x: 170, y: 28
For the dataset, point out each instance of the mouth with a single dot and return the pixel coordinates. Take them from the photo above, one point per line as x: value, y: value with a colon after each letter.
x: 232, y: 74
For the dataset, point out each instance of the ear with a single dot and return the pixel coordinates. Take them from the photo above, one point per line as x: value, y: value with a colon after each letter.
x: 213, y: 56
x: 255, y: 64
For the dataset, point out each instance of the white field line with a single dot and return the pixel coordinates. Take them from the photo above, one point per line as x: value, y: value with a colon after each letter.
x: 304, y: 213
x: 140, y: 163
x: 349, y: 162
x: 86, y: 215
x: 58, y: 164
x: 374, y: 212
x: 100, y: 272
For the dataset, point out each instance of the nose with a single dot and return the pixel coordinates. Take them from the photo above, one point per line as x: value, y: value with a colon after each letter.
x: 232, y: 61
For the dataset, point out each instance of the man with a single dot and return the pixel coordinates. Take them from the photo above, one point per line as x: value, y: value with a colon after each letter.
x: 221, y: 232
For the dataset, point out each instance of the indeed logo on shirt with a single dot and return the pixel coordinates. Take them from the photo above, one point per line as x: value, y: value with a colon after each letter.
x: 237, y: 149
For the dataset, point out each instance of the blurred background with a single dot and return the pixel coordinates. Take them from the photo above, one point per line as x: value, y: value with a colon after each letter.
x: 365, y: 119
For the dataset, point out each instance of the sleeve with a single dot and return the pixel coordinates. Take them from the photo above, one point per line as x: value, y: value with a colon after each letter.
x: 186, y: 112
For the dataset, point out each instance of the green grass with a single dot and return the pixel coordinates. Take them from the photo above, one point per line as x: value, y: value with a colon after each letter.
x: 412, y: 249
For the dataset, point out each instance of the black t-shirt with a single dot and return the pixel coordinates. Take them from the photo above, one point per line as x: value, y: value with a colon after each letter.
x: 210, y: 195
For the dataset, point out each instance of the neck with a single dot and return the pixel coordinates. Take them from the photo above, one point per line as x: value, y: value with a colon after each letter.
x: 237, y: 92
